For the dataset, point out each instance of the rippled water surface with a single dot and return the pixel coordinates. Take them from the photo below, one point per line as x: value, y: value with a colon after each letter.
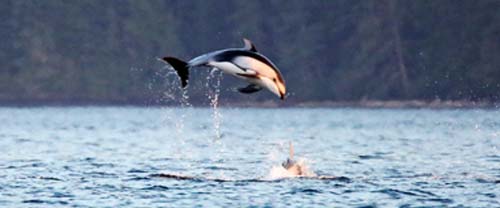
x: 116, y: 156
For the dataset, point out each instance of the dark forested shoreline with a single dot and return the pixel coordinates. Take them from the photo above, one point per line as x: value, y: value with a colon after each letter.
x: 105, y: 52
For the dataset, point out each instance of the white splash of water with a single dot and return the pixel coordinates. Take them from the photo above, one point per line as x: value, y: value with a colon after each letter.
x: 213, y: 85
x: 213, y: 95
x: 173, y: 93
x: 279, y: 172
x: 300, y: 169
x: 185, y: 105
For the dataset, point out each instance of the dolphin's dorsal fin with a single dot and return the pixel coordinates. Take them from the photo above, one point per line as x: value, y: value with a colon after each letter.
x: 249, y: 45
x: 291, y: 151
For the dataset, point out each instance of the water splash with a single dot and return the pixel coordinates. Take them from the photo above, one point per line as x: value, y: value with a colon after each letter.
x: 213, y: 96
x: 213, y: 84
x: 176, y: 95
x: 172, y: 93
x: 278, y: 171
x: 180, y: 121
x: 300, y: 168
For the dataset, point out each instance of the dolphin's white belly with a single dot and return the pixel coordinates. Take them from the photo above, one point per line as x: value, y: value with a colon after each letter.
x: 230, y: 68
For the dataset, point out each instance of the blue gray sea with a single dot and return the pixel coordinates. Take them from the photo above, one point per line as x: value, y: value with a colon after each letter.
x: 228, y: 157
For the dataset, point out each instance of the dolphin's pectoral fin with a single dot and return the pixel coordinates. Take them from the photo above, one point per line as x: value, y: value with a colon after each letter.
x: 249, y: 45
x: 251, y: 88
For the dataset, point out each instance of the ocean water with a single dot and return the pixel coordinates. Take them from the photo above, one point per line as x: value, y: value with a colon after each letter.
x: 191, y: 157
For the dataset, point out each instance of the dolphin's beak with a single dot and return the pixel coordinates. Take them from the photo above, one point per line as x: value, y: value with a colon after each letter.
x: 276, y: 87
x: 282, y: 95
x: 281, y: 89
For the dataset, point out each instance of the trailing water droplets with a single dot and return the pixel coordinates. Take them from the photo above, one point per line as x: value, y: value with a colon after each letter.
x: 172, y: 94
x: 213, y: 84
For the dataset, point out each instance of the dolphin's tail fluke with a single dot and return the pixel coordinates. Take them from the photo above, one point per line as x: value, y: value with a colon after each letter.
x: 181, y: 67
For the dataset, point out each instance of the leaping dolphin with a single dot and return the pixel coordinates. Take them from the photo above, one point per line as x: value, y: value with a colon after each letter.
x: 245, y: 63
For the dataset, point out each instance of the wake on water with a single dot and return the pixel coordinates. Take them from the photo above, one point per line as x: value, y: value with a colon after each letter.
x: 277, y: 172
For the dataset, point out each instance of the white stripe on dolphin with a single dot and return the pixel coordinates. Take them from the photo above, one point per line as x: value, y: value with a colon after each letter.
x: 245, y: 63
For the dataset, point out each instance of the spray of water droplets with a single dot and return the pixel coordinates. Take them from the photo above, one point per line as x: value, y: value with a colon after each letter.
x: 172, y: 94
x: 213, y: 83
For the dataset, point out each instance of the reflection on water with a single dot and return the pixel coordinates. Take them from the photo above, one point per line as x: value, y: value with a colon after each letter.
x: 110, y: 156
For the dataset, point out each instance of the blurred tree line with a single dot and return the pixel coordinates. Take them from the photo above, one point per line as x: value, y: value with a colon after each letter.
x: 345, y: 50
